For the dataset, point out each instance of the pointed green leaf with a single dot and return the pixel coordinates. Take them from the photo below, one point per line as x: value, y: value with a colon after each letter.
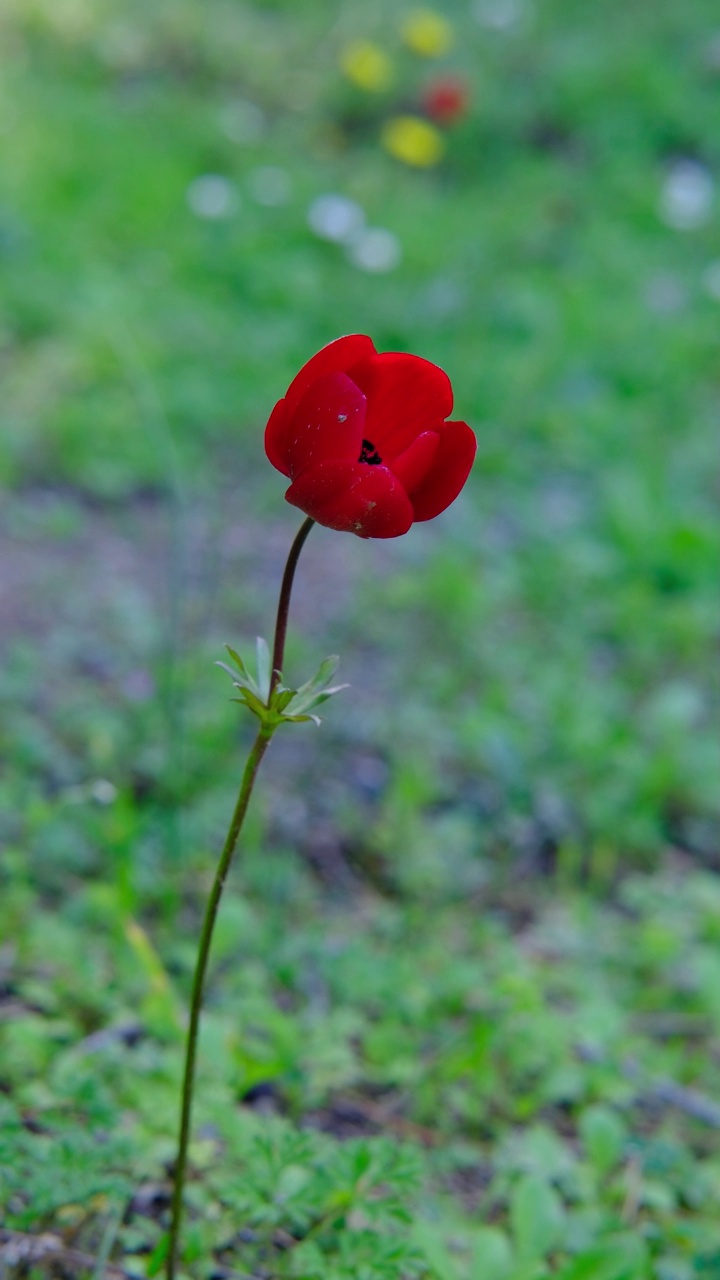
x: 242, y: 685
x: 237, y: 660
x: 604, y: 1136
x: 304, y: 700
x: 536, y: 1215
x: 262, y: 652
x: 327, y: 668
x: 324, y: 672
x: 492, y: 1255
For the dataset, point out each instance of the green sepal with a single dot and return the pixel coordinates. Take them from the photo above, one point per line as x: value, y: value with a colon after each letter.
x: 251, y: 701
x: 284, y: 696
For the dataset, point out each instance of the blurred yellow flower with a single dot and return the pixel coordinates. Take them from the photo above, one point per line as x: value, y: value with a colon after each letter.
x: 69, y: 19
x: 427, y: 33
x: 367, y: 65
x: 412, y: 140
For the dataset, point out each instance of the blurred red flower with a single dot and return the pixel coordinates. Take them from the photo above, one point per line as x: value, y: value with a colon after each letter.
x: 446, y: 99
x: 364, y: 438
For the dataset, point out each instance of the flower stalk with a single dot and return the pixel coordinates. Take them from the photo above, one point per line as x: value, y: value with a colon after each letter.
x: 283, y: 610
x: 257, y: 751
x: 273, y: 708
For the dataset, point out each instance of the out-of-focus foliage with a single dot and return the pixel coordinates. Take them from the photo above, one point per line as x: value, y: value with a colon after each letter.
x: 160, y: 283
x: 475, y: 1067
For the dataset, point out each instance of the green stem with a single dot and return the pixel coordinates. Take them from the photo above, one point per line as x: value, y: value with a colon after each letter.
x: 257, y: 752
x: 283, y: 609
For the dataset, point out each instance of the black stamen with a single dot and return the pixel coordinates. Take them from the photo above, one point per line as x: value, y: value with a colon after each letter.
x: 370, y: 454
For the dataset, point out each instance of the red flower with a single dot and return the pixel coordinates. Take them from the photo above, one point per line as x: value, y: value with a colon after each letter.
x: 446, y: 99
x: 363, y: 438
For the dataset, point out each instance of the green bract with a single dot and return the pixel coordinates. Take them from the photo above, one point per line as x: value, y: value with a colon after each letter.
x: 275, y: 706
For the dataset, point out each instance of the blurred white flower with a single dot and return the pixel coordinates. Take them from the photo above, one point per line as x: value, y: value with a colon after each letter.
x: 269, y: 185
x: 711, y: 279
x: 442, y: 297
x: 687, y: 196
x: 665, y: 294
x: 335, y: 217
x: 712, y: 52
x: 375, y: 249
x: 242, y: 121
x: 212, y: 196
x: 103, y: 791
x: 499, y: 14
x: 121, y: 45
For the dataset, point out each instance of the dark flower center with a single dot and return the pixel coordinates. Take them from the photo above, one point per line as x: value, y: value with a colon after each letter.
x: 370, y: 454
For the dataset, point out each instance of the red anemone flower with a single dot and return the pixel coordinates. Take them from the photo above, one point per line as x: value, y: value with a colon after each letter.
x: 364, y: 439
x: 446, y: 99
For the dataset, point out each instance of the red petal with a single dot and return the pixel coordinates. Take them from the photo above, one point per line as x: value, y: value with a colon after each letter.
x: 406, y: 396
x: 276, y: 438
x: 336, y: 357
x: 328, y: 423
x: 353, y: 497
x: 450, y: 470
x: 412, y: 466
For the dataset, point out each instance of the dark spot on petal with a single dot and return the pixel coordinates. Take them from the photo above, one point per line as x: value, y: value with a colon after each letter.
x: 370, y: 454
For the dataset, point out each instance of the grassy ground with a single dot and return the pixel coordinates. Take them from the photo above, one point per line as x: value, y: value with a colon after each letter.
x: 463, y: 1018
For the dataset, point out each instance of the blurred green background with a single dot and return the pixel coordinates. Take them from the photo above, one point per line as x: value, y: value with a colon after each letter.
x: 464, y: 1019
